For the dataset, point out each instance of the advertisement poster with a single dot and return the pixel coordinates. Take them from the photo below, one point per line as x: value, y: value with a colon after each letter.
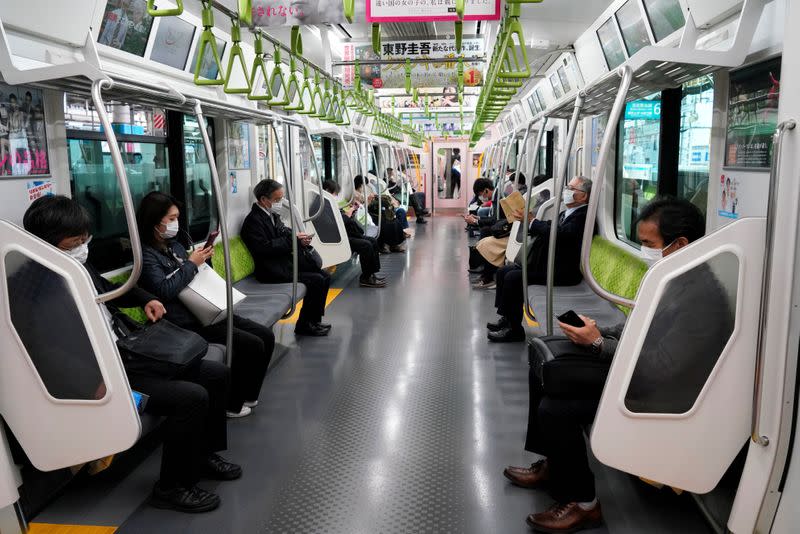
x: 173, y: 41
x: 238, y: 145
x: 234, y: 183
x: 40, y: 188
x: 729, y: 198
x: 23, y: 140
x: 476, y: 159
x: 443, y: 74
x: 430, y: 10
x: 446, y: 99
x: 752, y: 115
x: 126, y: 26
x: 208, y: 69
x: 268, y: 13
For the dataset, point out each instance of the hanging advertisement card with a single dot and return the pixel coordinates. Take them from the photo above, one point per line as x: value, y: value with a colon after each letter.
x: 238, y: 145
x: 430, y: 10
x: 126, y: 26
x: 23, y: 140
x: 268, y: 13
x: 40, y: 188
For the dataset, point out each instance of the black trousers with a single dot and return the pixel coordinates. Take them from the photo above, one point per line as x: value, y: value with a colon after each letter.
x: 194, y: 405
x: 367, y: 250
x: 391, y: 233
x: 555, y: 430
x: 252, y: 351
x: 508, y: 297
x: 317, y: 284
x: 413, y: 203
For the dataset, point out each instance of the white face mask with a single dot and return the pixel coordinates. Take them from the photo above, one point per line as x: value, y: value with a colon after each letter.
x: 484, y: 198
x: 171, y: 231
x: 652, y: 255
x: 79, y: 253
x: 568, y: 196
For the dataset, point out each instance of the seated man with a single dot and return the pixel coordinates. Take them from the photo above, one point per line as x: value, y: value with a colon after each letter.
x: 391, y: 236
x: 365, y: 247
x: 509, y: 298
x: 484, y: 192
x: 699, y: 309
x: 270, y: 243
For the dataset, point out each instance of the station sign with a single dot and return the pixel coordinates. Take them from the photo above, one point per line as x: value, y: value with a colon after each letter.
x: 649, y: 110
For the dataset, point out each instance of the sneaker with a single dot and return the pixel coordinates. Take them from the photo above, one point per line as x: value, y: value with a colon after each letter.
x: 245, y: 411
x: 251, y: 404
x: 371, y: 281
x: 485, y: 285
x: 192, y: 500
x: 215, y: 467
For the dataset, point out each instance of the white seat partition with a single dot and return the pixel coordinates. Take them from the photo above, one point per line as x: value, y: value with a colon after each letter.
x: 330, y: 238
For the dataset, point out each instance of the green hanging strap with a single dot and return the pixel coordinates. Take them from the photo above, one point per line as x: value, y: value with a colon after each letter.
x: 319, y: 98
x: 207, y: 39
x: 459, y: 27
x: 376, y: 38
x: 293, y: 88
x: 236, y: 53
x: 154, y: 12
x: 408, y: 76
x: 258, y: 64
x: 460, y: 71
x: 307, y: 92
x: 349, y: 10
x: 277, y: 84
x: 296, y: 41
x: 246, y: 12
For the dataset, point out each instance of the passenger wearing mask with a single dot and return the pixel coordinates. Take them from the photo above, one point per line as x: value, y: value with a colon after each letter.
x: 365, y: 247
x: 697, y: 311
x: 413, y: 197
x: 483, y: 190
x: 270, y: 243
x: 192, y: 402
x: 509, y: 298
x: 168, y: 268
x: 391, y: 235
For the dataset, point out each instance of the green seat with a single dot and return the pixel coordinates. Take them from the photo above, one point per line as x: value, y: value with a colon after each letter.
x: 616, y: 270
x: 137, y: 314
x: 242, y: 263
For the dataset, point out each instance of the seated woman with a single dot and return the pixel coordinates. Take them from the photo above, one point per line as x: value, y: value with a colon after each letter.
x: 391, y: 234
x: 193, y: 402
x: 168, y: 268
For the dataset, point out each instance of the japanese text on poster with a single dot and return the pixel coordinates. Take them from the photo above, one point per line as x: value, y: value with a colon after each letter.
x: 430, y: 10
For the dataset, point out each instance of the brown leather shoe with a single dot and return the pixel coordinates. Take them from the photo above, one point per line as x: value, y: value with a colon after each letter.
x: 568, y: 517
x: 535, y: 476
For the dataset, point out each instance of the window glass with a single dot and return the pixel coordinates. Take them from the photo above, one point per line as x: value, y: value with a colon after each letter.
x: 317, y: 156
x: 199, y: 205
x: 555, y: 83
x: 126, y: 119
x: 666, y: 16
x: 126, y: 26
x: 40, y: 300
x: 637, y: 162
x: 691, y: 326
x: 634, y: 32
x: 94, y: 185
x: 609, y: 42
x: 697, y: 110
x: 562, y: 75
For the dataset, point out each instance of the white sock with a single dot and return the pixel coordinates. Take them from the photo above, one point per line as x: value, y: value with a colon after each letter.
x: 588, y: 505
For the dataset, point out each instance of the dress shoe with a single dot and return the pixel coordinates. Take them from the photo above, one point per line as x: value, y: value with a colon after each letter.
x: 483, y: 284
x: 420, y: 220
x: 531, y: 477
x: 476, y: 270
x: 507, y: 335
x: 216, y: 467
x: 499, y: 325
x: 384, y: 249
x: 569, y: 517
x: 371, y: 281
x: 191, y: 500
x: 397, y: 248
x: 311, y: 330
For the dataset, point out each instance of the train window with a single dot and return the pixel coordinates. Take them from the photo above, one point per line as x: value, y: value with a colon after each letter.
x: 38, y: 300
x: 666, y: 16
x: 697, y: 110
x: 127, y: 119
x: 200, y: 207
x: 637, y: 162
x: 611, y: 45
x: 634, y: 32
x: 126, y: 26
x: 688, y: 333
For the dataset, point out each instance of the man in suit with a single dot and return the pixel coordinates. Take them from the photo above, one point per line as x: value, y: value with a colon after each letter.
x: 270, y: 243
x: 509, y: 299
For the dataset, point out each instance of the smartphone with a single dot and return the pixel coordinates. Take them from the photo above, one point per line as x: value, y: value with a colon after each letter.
x: 211, y: 238
x: 571, y: 318
x: 140, y: 399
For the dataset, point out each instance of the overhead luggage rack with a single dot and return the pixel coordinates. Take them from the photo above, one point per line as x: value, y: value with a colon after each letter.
x: 655, y: 68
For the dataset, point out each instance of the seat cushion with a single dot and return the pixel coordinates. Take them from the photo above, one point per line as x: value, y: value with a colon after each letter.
x: 252, y: 287
x: 579, y: 298
x: 216, y: 353
x: 264, y: 309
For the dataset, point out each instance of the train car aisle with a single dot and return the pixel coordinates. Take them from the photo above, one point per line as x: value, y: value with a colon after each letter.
x: 401, y: 421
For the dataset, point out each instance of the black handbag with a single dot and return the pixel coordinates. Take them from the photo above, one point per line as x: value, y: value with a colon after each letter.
x: 158, y: 349
x: 566, y: 370
x: 501, y: 229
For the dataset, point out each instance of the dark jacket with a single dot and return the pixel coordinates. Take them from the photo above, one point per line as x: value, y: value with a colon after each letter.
x: 134, y: 298
x: 158, y: 278
x: 351, y: 226
x: 568, y: 250
x: 270, y: 244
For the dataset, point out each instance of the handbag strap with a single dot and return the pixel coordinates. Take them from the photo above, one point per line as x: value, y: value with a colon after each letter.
x: 123, y: 325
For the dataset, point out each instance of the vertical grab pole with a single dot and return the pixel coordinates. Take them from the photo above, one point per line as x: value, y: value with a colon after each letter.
x: 357, y: 142
x: 520, y: 156
x: 295, y: 225
x: 349, y: 166
x: 314, y: 217
x: 124, y: 189
x: 528, y: 194
x: 226, y: 251
x: 557, y: 190
x: 597, y: 187
x: 502, y: 180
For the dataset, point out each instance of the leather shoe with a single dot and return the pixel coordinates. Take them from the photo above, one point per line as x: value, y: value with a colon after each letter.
x: 312, y: 330
x: 507, y: 335
x: 191, y: 500
x: 568, y: 517
x: 531, y: 477
x: 499, y: 325
x: 217, y: 468
x: 420, y: 220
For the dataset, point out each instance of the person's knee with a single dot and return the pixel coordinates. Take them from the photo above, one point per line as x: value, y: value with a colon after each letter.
x: 189, y: 398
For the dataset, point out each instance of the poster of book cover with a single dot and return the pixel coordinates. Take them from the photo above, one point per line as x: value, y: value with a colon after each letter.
x: 238, y: 145
x: 752, y: 115
x: 23, y: 140
x: 268, y: 13
x: 126, y: 26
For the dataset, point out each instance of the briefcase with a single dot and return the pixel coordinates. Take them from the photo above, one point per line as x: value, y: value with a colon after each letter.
x: 567, y: 370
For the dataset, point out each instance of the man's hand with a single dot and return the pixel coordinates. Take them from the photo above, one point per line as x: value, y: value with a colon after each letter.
x: 305, y: 239
x: 585, y: 335
x: 154, y: 310
x: 520, y: 215
x: 471, y: 219
x: 349, y: 211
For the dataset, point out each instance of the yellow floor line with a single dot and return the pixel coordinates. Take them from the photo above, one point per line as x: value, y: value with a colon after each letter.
x: 332, y: 294
x: 47, y: 528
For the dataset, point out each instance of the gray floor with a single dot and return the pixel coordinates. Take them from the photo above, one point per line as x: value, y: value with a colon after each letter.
x: 400, y: 421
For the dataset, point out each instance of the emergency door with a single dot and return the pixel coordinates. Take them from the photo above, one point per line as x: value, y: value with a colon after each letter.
x: 63, y: 391
x: 677, y: 403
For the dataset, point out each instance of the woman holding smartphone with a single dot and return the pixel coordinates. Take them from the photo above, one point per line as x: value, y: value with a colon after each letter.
x: 168, y: 268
